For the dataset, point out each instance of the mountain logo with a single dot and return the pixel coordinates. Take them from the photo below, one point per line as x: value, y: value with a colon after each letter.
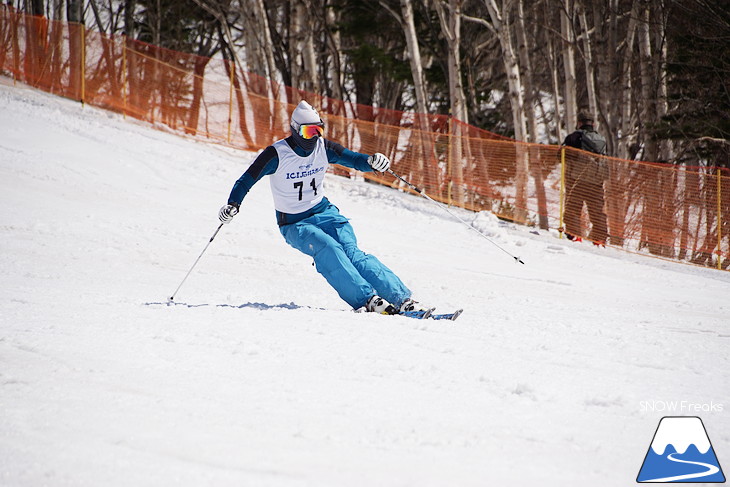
x: 681, y: 452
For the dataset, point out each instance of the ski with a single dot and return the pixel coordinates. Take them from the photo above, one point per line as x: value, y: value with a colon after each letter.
x: 424, y: 314
x: 447, y: 316
x: 429, y: 314
x: 419, y: 315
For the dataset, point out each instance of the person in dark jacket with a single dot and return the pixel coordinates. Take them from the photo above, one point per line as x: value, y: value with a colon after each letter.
x: 584, y: 178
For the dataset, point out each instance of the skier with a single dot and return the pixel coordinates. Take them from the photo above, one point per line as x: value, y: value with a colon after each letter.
x: 313, y: 225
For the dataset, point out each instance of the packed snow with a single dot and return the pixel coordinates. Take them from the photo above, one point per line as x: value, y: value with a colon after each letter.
x: 556, y: 374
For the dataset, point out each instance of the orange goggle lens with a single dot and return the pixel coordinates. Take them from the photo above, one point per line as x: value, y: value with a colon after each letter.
x: 309, y: 131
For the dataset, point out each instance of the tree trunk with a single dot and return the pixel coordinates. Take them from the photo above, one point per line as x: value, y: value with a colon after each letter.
x: 335, y: 47
x: 428, y: 157
x: 450, y: 20
x: 554, y: 78
x: 191, y: 126
x: 627, y: 85
x: 241, y: 105
x: 74, y: 14
x: 570, y: 97
x: 588, y: 61
x: 606, y: 71
x: 648, y: 94
x: 662, y: 105
x: 664, y: 149
x: 35, y: 7
x: 260, y: 29
x: 302, y: 58
x: 296, y: 28
x: 309, y: 56
x: 106, y: 45
x: 651, y: 226
x: 414, y: 55
x: 501, y: 21
x: 686, y: 209
x: 130, y: 35
x: 530, y: 108
x: 57, y: 46
x: 129, y: 23
x: 618, y: 201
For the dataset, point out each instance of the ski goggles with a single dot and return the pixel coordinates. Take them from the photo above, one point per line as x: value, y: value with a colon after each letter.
x: 311, y: 130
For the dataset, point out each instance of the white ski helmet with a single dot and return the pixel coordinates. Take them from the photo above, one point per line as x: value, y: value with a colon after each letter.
x: 304, y: 114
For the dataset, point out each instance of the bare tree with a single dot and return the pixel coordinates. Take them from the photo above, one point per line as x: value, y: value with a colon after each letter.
x: 568, y: 50
x: 75, y: 15
x: 302, y: 55
x: 626, y: 115
x: 590, y: 70
x: 406, y: 19
x: 450, y: 15
x: 531, y: 101
x: 501, y: 22
x: 334, y: 86
x: 450, y: 19
x: 648, y: 97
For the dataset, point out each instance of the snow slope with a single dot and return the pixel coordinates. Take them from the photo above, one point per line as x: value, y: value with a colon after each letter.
x: 261, y: 376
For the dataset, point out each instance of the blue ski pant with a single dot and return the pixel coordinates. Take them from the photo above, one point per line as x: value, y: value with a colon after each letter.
x: 328, y: 237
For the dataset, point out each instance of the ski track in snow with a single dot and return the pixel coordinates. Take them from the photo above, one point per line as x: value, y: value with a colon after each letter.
x: 260, y: 375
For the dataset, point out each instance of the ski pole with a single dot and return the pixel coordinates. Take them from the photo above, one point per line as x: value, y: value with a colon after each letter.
x: 446, y: 209
x: 195, y: 263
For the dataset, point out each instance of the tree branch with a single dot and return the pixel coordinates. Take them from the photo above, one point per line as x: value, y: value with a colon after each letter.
x: 481, y: 22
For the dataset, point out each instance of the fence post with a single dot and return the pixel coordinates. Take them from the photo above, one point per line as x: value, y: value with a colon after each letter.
x: 719, y: 218
x: 124, y: 76
x: 230, y: 99
x: 562, y: 189
x: 449, y: 156
x: 83, y: 62
x: 16, y: 49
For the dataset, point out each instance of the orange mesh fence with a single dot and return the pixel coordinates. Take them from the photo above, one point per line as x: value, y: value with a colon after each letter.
x: 673, y: 212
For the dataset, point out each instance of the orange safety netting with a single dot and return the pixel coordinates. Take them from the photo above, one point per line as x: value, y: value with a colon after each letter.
x: 663, y: 210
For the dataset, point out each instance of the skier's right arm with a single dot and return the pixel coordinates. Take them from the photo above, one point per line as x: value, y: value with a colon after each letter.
x: 266, y: 163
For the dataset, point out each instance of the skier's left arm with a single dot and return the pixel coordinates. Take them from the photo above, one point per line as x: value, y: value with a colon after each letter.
x: 337, y: 154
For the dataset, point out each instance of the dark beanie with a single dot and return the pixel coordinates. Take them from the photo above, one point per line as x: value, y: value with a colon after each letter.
x: 585, y: 117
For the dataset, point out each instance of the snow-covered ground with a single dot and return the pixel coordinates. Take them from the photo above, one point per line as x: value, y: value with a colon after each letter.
x: 261, y: 376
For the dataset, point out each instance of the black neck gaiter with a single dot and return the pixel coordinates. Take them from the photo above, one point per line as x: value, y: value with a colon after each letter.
x: 306, y: 144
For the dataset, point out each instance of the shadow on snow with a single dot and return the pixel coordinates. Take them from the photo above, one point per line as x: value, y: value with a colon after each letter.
x: 249, y: 305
